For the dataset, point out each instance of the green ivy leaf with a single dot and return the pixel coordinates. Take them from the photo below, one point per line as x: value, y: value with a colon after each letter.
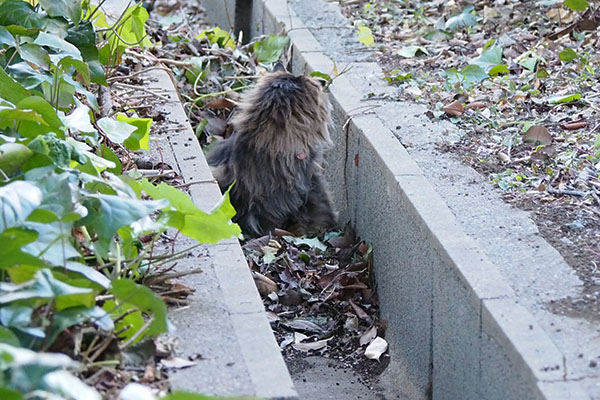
x: 89, y: 273
x: 117, y: 131
x: 465, y: 19
x: 412, y: 51
x: 107, y: 153
x: 474, y: 73
x: 8, y: 337
x: 35, y: 54
x: 138, y: 139
x: 567, y: 55
x: 53, y: 244
x: 217, y: 36
x: 43, y: 108
x: 66, y: 48
x: 489, y: 58
x: 190, y: 220
x: 198, y: 71
x: 10, y: 89
x: 6, y: 38
x: 269, y: 50
x: 365, y: 36
x: 28, y: 77
x: 21, y: 13
x: 529, y: 62
x: 577, y: 5
x: 140, y: 296
x: 321, y: 75
x: 63, y: 8
x: 108, y: 213
x: 128, y: 325
x: 313, y: 243
x: 76, y: 315
x: 78, y: 65
x: 43, y: 286
x: 17, y: 200
x: 10, y: 252
x: 12, y: 158
x: 499, y: 69
x: 560, y: 99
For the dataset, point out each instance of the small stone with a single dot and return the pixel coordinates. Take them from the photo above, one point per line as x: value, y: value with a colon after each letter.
x: 593, y: 364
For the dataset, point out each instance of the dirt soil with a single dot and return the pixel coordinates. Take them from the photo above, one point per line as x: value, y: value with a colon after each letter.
x: 521, y: 84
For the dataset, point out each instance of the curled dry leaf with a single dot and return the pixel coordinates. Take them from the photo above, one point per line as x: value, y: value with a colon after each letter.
x: 503, y: 157
x: 263, y: 284
x: 176, y: 362
x: 574, y: 125
x: 308, y: 346
x: 538, y: 135
x: 475, y: 105
x: 221, y: 104
x: 368, y: 336
x: 454, y: 109
x: 377, y: 347
x: 303, y: 325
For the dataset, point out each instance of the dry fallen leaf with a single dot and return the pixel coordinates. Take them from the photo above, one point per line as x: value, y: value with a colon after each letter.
x: 538, y: 135
x: 300, y: 345
x: 377, y: 347
x: 454, y: 109
x: 475, y: 104
x: 176, y: 362
x: 221, y: 104
x: 574, y: 125
x: 489, y: 13
x: 368, y: 336
x: 263, y: 284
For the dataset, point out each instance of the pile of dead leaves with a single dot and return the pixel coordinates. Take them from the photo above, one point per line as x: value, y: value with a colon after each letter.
x: 318, y: 293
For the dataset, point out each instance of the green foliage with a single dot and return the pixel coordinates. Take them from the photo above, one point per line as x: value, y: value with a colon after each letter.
x: 365, y: 36
x: 412, y: 51
x: 489, y: 58
x: 577, y: 5
x: 185, y: 216
x: 560, y: 99
x: 567, y: 55
x: 72, y: 229
x: 217, y: 36
x: 269, y: 50
x: 463, y: 20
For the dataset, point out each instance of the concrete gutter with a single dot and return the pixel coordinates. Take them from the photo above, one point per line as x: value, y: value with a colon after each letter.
x: 224, y: 328
x: 456, y: 327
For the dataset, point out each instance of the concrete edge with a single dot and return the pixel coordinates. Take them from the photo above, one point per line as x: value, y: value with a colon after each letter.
x: 260, y: 351
x: 534, y: 353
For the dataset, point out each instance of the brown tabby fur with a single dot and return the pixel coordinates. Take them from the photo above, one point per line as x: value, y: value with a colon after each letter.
x: 275, y: 157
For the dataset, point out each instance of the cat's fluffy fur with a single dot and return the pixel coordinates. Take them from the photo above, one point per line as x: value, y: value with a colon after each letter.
x: 275, y: 157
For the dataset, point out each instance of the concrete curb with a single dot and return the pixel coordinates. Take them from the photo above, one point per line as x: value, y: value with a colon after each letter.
x: 237, y: 298
x: 453, y: 323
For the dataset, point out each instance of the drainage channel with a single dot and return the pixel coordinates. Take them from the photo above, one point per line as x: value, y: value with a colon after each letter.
x: 459, y: 325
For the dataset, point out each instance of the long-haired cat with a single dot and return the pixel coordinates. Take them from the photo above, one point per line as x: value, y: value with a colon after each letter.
x: 275, y: 156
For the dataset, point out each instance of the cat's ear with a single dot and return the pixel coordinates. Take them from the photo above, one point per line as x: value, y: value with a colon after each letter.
x: 279, y: 67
